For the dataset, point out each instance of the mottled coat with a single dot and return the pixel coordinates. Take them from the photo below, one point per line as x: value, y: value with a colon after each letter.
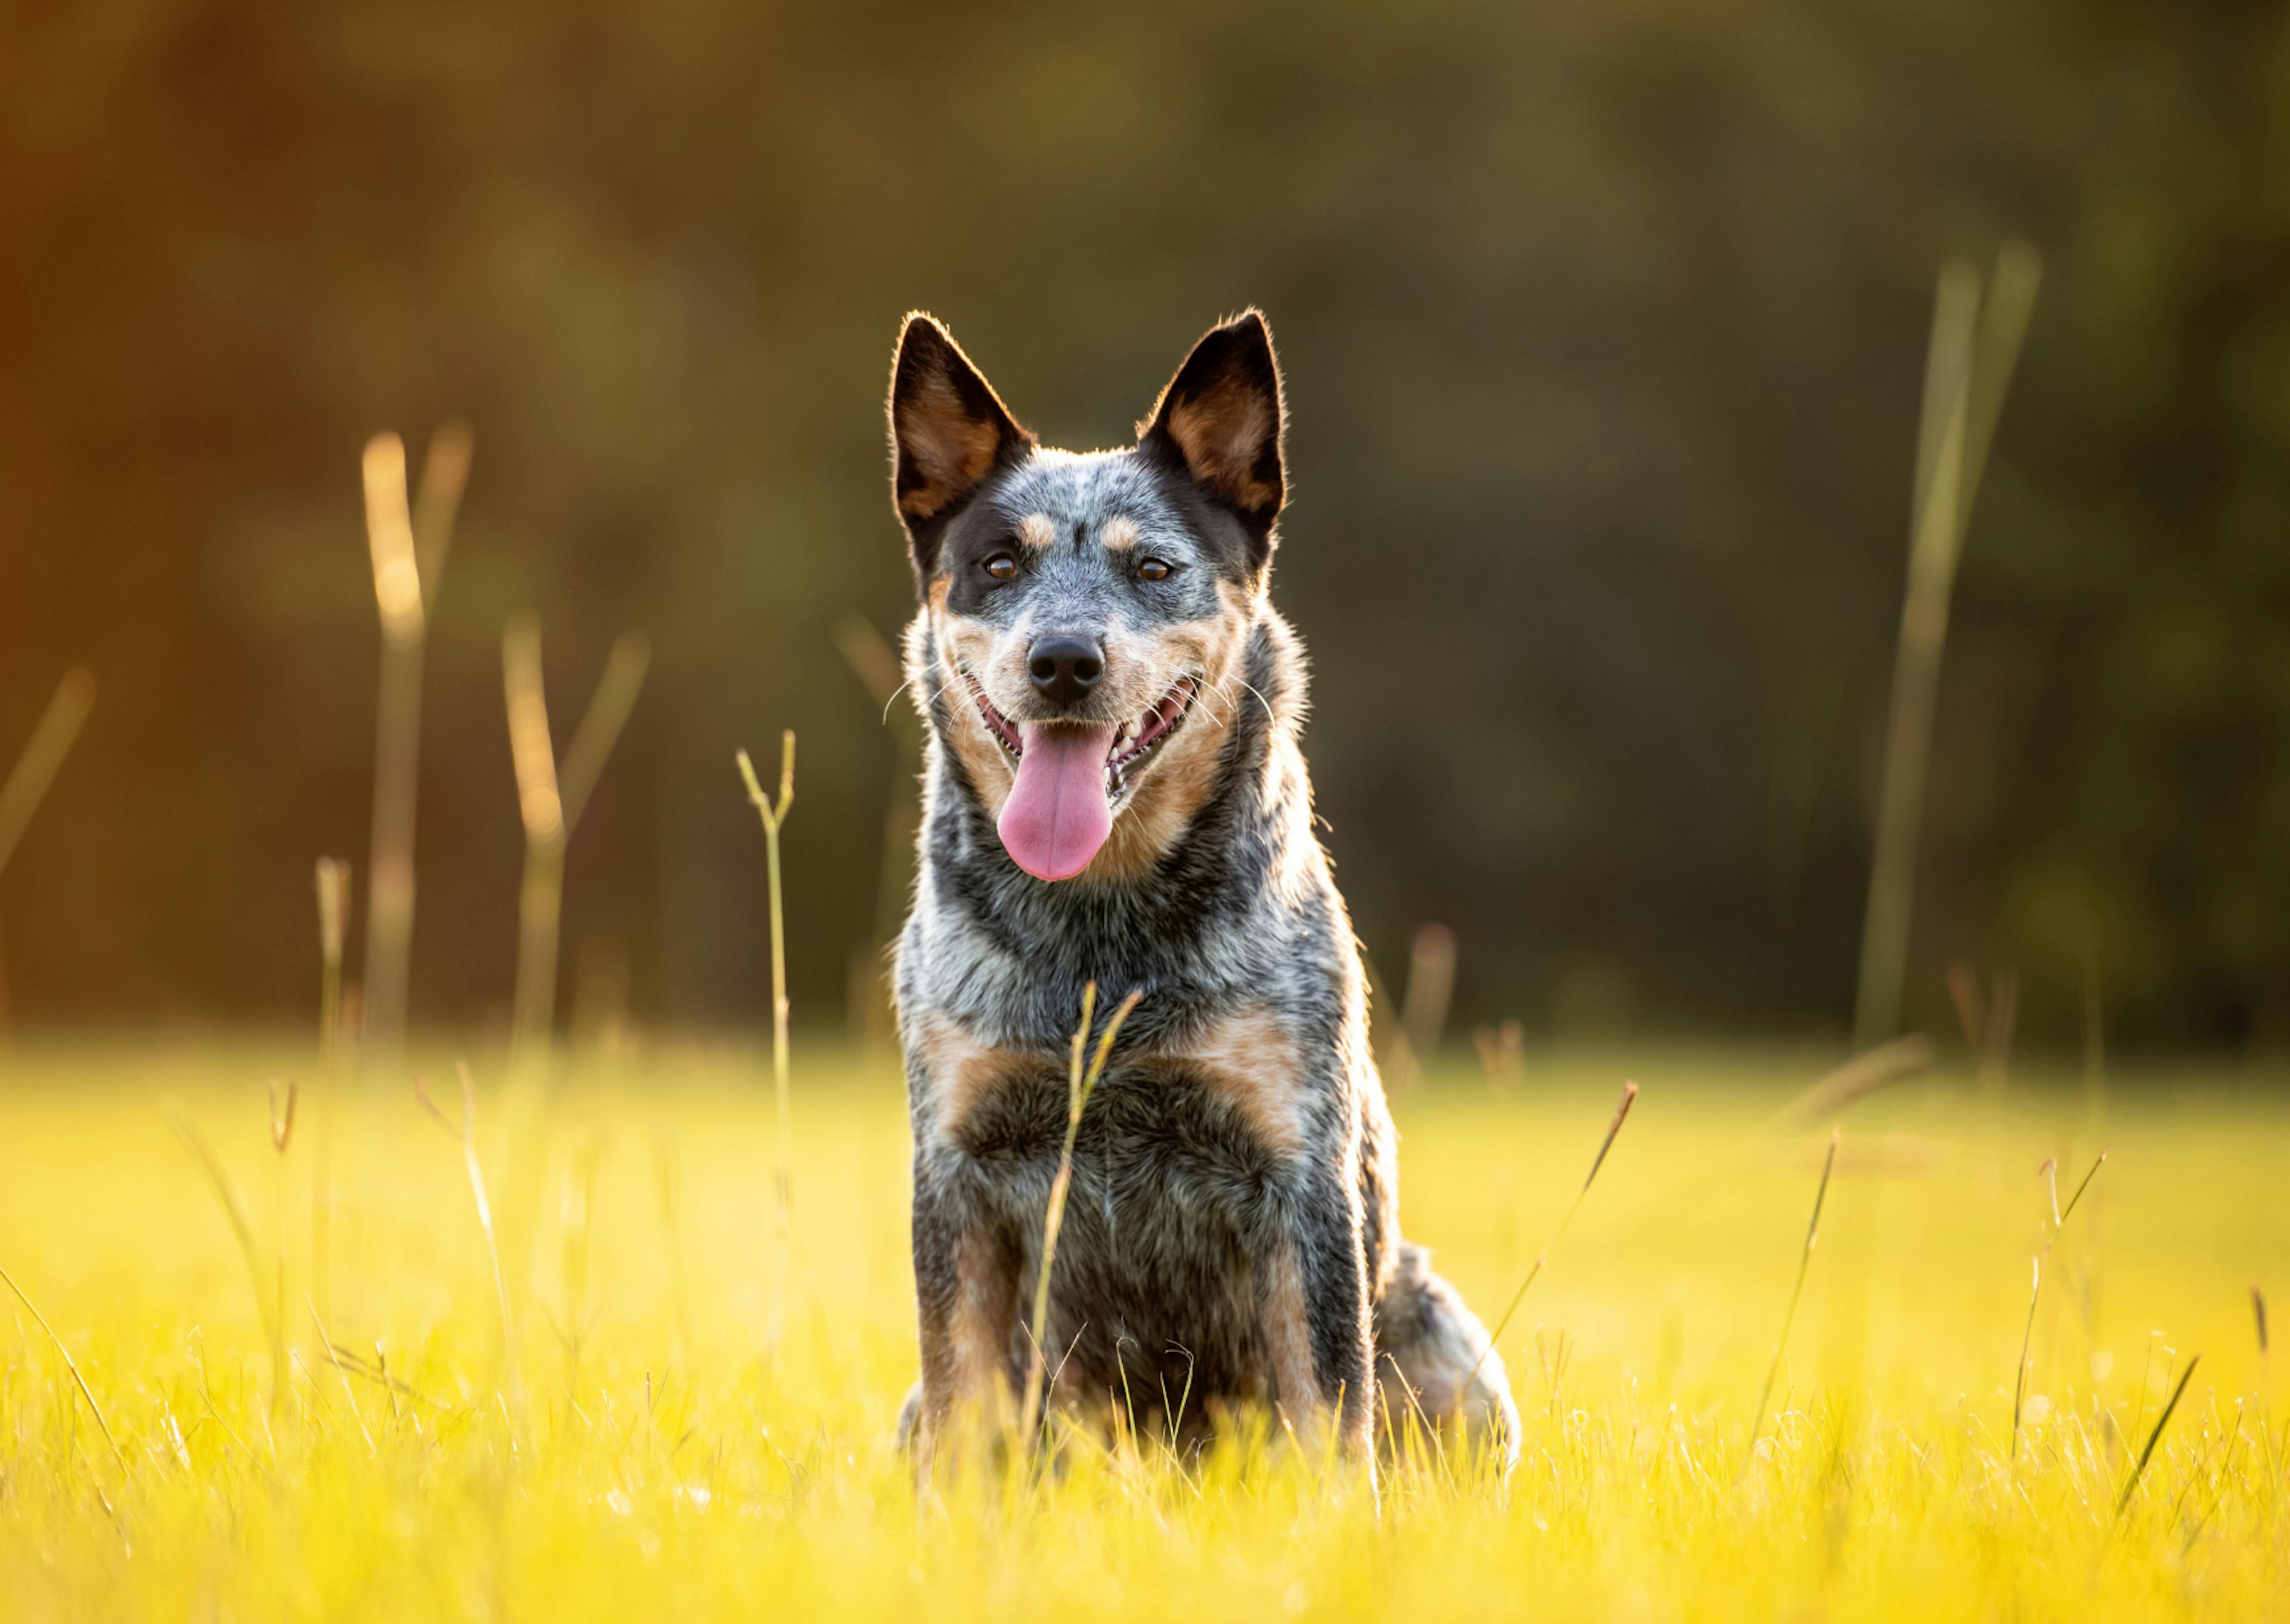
x: 1232, y: 1235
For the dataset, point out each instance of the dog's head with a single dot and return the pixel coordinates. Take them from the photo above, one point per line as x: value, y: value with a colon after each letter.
x: 1085, y: 616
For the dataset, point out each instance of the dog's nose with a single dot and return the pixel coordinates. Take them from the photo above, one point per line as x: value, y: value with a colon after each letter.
x: 1065, y: 665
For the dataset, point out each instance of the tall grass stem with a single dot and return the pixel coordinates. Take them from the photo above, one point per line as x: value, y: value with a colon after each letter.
x: 1613, y: 1129
x: 550, y: 799
x: 774, y: 815
x: 334, y: 887
x: 2060, y: 1216
x: 233, y: 1201
x: 465, y: 1132
x: 1430, y: 990
x: 1797, y: 1294
x: 408, y: 544
x: 1967, y: 370
x: 35, y: 768
x: 71, y: 1364
x: 2139, y: 1470
x: 43, y: 754
x: 399, y: 601
x: 1080, y: 1084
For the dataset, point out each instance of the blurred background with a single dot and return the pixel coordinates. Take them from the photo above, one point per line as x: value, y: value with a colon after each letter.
x: 1604, y: 326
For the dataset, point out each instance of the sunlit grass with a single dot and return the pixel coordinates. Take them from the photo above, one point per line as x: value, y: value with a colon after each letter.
x: 662, y: 1463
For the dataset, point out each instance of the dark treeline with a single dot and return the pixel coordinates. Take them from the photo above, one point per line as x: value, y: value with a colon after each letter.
x: 1604, y: 323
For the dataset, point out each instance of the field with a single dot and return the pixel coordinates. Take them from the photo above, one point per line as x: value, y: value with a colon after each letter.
x: 647, y: 1448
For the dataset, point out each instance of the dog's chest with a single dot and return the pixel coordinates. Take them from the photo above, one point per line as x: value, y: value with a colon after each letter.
x: 1213, y: 1114
x: 1179, y: 1187
x: 1235, y: 1089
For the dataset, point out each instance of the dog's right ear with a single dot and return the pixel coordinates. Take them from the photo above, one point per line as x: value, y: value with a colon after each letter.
x: 948, y: 430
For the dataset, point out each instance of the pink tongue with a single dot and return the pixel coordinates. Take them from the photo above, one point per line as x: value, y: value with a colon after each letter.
x: 1056, y: 816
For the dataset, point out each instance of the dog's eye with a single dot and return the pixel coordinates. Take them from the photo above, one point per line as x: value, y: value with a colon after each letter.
x: 1002, y: 566
x: 1154, y: 568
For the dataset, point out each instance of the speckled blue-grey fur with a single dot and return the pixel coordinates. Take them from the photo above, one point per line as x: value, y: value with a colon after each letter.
x: 1233, y: 1177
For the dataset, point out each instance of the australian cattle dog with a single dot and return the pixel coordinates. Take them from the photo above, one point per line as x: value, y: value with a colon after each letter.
x: 1114, y: 792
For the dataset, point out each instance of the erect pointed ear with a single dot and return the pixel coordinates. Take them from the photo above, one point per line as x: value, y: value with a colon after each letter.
x: 948, y: 430
x: 1221, y: 417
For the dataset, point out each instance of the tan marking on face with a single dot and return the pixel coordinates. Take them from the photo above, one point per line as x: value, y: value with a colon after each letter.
x: 1288, y: 1341
x: 1163, y: 802
x: 1036, y: 532
x: 964, y: 645
x: 1120, y: 534
x: 1251, y: 1062
x: 952, y: 450
x: 1221, y: 434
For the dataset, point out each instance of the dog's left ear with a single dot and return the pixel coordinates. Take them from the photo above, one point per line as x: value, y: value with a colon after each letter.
x: 1220, y: 417
x: 948, y: 430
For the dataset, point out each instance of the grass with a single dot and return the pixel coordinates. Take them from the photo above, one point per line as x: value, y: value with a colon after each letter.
x: 679, y: 1465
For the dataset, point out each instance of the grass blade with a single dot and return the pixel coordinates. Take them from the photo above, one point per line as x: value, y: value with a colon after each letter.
x: 233, y: 1202
x: 2060, y: 1216
x: 774, y: 815
x: 1796, y: 1293
x: 465, y: 1131
x: 71, y: 1364
x: 1079, y: 1086
x: 1613, y: 1131
x: 2139, y: 1471
x: 42, y: 757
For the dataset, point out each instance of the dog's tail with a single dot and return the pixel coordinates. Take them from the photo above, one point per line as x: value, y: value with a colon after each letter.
x: 1433, y: 1362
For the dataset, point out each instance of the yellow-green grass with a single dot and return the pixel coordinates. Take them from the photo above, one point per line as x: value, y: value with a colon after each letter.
x: 658, y: 1460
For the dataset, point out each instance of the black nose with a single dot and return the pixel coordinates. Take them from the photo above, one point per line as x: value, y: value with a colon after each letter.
x: 1065, y: 665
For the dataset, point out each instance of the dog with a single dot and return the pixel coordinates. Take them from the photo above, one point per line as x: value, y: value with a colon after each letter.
x: 1114, y: 792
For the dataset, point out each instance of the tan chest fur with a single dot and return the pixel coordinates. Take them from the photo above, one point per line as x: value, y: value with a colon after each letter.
x: 1247, y: 1060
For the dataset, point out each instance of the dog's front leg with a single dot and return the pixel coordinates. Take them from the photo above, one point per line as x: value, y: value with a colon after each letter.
x: 967, y: 1290
x: 1312, y: 1298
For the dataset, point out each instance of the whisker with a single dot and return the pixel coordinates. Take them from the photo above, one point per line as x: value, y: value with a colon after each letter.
x: 939, y: 692
x: 1200, y: 696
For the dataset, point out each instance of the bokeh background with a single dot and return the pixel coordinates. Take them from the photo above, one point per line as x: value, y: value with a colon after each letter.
x: 1604, y: 325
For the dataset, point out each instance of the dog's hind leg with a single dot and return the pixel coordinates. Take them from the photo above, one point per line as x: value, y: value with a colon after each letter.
x: 1432, y: 1356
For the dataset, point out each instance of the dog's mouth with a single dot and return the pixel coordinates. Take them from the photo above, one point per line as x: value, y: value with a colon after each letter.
x: 1071, y: 776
